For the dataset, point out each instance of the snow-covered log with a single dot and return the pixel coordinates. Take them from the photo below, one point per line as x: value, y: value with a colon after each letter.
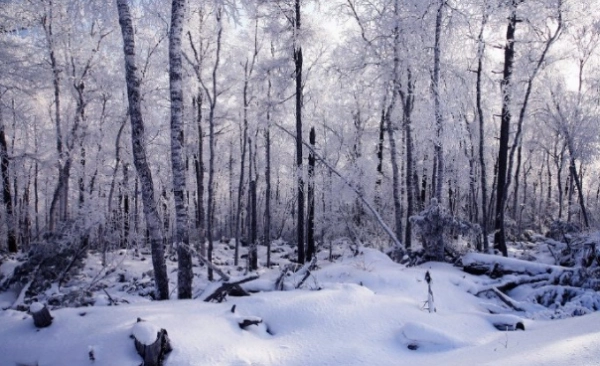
x: 497, y: 266
x: 41, y: 315
x: 151, y: 343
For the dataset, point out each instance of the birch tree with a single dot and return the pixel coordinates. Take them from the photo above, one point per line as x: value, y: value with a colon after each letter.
x: 139, y: 152
x: 181, y: 239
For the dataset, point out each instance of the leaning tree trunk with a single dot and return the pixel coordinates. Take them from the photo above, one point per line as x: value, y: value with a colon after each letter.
x: 509, y: 56
x: 139, y: 152
x: 181, y: 239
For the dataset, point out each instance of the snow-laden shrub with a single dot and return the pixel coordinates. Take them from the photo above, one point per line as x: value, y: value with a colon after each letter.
x: 559, y: 230
x: 566, y: 301
x: 437, y: 228
x: 51, y: 263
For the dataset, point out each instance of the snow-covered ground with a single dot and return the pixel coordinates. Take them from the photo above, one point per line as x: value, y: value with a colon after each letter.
x: 359, y: 310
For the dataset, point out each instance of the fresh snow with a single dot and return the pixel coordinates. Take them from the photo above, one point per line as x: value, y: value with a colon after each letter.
x: 363, y: 310
x: 36, y: 307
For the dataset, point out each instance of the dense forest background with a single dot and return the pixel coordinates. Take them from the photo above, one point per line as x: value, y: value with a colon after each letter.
x: 378, y: 122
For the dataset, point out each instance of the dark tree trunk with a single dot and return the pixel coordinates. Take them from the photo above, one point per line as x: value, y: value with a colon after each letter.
x: 199, y: 165
x: 125, y: 239
x: 253, y: 253
x: 380, y: 142
x: 240, y: 196
x: 408, y: 104
x: 310, y: 230
x: 267, y: 228
x: 212, y: 99
x: 299, y: 170
x: 509, y: 56
x: 483, y: 173
x: 6, y: 192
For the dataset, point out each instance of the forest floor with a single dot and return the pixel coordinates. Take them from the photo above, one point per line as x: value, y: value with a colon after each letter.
x: 361, y: 309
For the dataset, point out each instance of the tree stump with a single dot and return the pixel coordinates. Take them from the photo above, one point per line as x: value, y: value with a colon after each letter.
x: 41, y: 315
x: 152, y: 350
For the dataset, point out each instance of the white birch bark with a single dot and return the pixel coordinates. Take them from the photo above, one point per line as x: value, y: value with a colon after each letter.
x: 184, y: 262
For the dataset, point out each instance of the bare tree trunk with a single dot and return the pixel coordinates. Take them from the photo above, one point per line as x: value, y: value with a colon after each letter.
x: 244, y: 142
x: 184, y: 257
x: 6, y: 192
x: 509, y: 56
x: 47, y: 23
x: 391, y: 128
x: 253, y: 252
x: 267, y: 227
x: 299, y: 170
x: 139, y: 152
x: 212, y: 96
x: 199, y: 165
x: 310, y: 230
x: 439, y: 150
x: 125, y: 218
x: 483, y: 173
x: 380, y: 142
x: 408, y: 105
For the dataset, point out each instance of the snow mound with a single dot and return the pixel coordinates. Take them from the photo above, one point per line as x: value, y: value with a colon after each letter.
x: 422, y: 337
x: 36, y: 307
x: 146, y: 333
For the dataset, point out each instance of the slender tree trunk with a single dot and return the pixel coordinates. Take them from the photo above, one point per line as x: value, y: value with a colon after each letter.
x: 253, y: 252
x: 509, y: 55
x: 184, y: 257
x: 267, y: 227
x: 408, y: 105
x: 139, y: 152
x: 212, y: 99
x: 244, y: 143
x: 483, y: 174
x: 439, y: 149
x: 7, y: 195
x: 310, y: 230
x: 199, y: 165
x: 47, y: 22
x: 380, y: 143
x: 391, y: 128
x: 125, y: 239
x: 299, y: 170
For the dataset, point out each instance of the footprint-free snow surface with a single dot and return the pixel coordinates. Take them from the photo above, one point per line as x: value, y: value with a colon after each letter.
x: 363, y: 310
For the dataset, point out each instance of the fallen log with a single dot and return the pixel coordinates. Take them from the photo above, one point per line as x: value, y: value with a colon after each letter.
x: 151, y: 343
x: 513, y: 282
x: 228, y: 288
x: 496, y: 266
